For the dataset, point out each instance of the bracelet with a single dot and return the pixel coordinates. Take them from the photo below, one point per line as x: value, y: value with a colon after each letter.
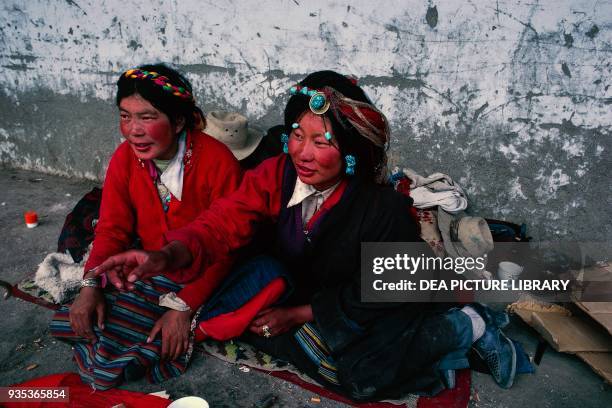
x: 91, y: 283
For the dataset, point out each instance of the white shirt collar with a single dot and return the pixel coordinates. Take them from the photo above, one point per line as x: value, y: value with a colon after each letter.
x: 303, y: 191
x: 172, y: 177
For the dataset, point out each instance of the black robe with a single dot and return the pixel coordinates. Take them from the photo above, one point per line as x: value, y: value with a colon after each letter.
x: 381, y: 349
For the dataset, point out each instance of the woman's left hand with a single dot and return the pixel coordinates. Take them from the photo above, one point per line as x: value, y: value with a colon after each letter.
x: 174, y: 326
x: 279, y: 319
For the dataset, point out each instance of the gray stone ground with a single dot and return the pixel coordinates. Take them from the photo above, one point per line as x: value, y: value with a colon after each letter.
x: 561, y: 380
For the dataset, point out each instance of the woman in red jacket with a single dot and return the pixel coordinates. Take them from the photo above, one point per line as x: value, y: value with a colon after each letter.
x: 160, y: 178
x: 325, y: 197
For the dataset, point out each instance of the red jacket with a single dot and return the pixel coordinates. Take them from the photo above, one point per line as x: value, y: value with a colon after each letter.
x: 131, y: 206
x: 231, y: 222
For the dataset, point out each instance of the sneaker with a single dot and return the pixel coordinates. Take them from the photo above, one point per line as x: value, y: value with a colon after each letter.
x: 498, y: 352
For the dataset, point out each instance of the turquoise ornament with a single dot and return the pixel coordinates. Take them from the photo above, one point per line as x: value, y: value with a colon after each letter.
x: 351, y: 162
x: 293, y: 90
x: 317, y: 101
x: 166, y: 202
x: 328, y: 136
x: 295, y: 125
x: 319, y: 104
x: 284, y: 141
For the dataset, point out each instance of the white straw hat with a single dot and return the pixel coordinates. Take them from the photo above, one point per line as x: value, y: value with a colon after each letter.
x: 231, y: 128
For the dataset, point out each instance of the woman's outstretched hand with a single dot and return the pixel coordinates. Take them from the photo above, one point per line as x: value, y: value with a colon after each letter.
x: 123, y: 269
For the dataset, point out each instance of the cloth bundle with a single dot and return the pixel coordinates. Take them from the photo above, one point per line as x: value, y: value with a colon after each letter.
x: 437, y: 189
x: 443, y: 224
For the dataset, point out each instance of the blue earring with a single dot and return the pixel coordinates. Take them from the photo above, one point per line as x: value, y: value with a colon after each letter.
x: 351, y: 163
x: 295, y: 125
x: 328, y: 136
x: 284, y: 141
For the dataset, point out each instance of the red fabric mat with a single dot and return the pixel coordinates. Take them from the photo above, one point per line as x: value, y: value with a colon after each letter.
x: 458, y: 397
x: 83, y: 396
x: 455, y: 398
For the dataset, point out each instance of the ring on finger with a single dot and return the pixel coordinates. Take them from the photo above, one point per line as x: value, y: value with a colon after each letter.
x: 266, y: 331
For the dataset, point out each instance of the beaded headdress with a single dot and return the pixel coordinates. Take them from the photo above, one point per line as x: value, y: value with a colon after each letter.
x: 370, y: 122
x: 159, y: 80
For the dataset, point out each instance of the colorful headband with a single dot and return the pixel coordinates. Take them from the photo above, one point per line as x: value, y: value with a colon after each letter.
x: 159, y: 80
x: 364, y: 117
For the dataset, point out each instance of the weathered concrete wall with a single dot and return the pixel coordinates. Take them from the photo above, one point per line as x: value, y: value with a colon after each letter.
x: 511, y: 98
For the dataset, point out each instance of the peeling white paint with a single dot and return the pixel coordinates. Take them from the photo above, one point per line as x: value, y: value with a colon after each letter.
x: 552, y: 183
x: 7, y: 149
x: 516, y: 190
x: 599, y: 150
x: 510, y: 152
x: 38, y: 164
x: 577, y: 203
x: 573, y: 148
x: 80, y: 49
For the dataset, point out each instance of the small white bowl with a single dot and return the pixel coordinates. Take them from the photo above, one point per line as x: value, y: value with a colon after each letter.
x: 189, y: 402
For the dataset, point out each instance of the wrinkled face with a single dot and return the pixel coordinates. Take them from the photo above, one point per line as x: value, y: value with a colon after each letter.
x: 317, y: 161
x: 149, y: 132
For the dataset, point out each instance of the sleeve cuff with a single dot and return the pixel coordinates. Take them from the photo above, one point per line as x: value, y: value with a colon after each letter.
x: 191, y: 272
